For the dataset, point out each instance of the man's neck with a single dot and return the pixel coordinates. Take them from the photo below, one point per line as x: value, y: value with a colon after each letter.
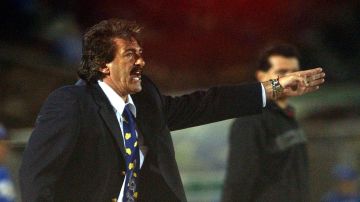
x: 114, y: 87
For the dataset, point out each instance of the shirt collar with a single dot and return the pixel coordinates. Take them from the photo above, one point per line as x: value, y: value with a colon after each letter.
x: 115, y: 100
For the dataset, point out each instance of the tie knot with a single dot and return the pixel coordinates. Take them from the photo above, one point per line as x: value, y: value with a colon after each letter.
x: 127, y: 113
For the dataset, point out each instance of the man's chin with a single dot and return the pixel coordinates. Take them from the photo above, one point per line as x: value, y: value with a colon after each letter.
x: 136, y: 90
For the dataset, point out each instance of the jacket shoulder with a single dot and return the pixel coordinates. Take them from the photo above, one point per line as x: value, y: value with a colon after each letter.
x: 70, y: 90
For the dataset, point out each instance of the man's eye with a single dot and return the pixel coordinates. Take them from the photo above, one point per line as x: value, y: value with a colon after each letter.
x: 130, y: 55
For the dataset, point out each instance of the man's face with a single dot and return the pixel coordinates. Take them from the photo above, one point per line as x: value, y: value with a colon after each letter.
x: 280, y: 66
x: 123, y: 74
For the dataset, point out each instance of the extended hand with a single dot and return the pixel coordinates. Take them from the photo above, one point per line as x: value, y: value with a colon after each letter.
x: 301, y: 82
x: 297, y: 83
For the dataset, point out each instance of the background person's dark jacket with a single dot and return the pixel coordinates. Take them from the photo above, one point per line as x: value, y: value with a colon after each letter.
x: 267, y: 159
x: 76, y: 150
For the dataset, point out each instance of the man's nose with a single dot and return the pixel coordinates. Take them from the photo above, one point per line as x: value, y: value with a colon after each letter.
x: 140, y: 61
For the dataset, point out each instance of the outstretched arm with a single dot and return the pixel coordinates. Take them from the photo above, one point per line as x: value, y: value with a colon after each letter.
x: 215, y: 104
x: 227, y: 102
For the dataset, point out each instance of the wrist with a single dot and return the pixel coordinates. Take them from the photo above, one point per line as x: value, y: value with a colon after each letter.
x: 273, y: 89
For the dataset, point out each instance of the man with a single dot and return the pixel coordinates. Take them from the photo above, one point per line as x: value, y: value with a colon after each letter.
x: 110, y: 139
x: 268, y: 158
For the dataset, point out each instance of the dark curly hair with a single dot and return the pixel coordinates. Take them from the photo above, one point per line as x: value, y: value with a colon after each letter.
x: 99, y: 47
x: 285, y: 50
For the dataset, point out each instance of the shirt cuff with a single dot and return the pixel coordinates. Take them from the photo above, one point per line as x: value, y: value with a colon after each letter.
x: 263, y: 95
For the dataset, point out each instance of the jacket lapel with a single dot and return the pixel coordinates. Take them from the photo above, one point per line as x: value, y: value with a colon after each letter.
x: 107, y: 113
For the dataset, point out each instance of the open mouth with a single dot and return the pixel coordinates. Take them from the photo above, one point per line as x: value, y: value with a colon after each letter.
x: 136, y: 73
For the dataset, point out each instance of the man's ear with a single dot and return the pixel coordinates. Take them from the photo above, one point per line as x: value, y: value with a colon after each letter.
x: 260, y: 75
x: 105, y: 69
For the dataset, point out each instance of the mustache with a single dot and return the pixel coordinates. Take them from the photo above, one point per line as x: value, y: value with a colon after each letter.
x: 136, y: 69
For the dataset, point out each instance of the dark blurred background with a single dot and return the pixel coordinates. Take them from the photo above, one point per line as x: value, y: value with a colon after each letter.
x: 189, y: 45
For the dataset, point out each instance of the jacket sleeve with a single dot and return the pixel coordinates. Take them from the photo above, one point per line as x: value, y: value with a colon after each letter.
x: 50, y: 146
x: 215, y: 104
x: 244, y: 162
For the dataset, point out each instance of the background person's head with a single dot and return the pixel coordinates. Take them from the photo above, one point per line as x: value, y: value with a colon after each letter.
x: 277, y: 60
x: 99, y: 47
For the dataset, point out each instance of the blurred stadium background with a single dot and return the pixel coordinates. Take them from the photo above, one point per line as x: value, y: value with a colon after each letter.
x: 192, y: 45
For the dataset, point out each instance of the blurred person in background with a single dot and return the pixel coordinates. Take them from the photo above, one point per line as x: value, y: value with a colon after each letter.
x: 7, y: 191
x: 268, y: 157
x: 109, y: 140
x: 346, y: 186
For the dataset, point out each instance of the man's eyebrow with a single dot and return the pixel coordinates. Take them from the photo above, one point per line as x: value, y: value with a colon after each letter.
x: 133, y: 50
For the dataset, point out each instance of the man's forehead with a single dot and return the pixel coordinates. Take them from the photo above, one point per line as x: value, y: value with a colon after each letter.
x: 130, y: 43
